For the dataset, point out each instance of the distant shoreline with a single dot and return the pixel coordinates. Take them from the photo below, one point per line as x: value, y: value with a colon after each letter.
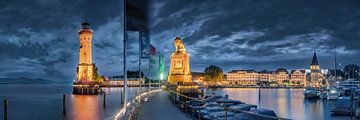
x: 255, y: 87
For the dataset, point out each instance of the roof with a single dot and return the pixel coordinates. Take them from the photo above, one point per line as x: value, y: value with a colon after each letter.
x: 264, y: 71
x: 281, y: 70
x: 302, y: 71
x: 314, y: 60
x: 248, y: 71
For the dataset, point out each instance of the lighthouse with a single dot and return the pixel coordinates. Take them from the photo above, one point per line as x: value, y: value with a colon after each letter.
x: 85, y: 69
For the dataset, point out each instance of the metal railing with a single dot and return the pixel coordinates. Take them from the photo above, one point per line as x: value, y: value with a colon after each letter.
x: 181, y: 101
x: 133, y: 105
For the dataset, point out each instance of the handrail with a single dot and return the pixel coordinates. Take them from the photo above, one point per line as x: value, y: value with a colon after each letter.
x: 122, y: 111
x: 227, y: 108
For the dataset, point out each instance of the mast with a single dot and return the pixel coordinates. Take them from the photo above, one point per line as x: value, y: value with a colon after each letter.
x: 125, y: 60
x: 335, y: 66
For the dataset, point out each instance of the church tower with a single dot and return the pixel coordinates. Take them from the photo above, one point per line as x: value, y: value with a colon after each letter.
x: 179, y: 64
x: 314, y: 66
x: 85, y: 68
x: 315, y: 75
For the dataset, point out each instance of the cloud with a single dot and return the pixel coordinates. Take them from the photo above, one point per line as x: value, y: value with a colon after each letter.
x: 39, y: 38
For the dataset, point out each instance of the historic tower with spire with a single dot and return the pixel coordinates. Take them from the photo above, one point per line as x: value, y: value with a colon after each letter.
x: 85, y: 69
x: 315, y: 75
x: 179, y: 64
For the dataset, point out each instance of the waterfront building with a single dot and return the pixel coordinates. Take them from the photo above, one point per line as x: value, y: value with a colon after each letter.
x: 298, y: 77
x: 179, y: 64
x: 85, y: 69
x: 316, y: 78
x: 242, y: 77
x: 264, y: 76
x: 282, y: 76
x: 273, y: 77
x: 198, y: 77
x: 119, y: 81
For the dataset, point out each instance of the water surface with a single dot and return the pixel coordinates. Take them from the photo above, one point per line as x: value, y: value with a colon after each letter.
x: 288, y: 103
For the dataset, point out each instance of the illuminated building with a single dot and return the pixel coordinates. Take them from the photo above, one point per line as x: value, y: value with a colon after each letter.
x: 264, y: 76
x: 316, y: 76
x: 179, y: 64
x: 282, y: 76
x: 85, y: 69
x: 298, y: 77
x: 119, y: 81
x: 242, y: 77
x: 198, y: 76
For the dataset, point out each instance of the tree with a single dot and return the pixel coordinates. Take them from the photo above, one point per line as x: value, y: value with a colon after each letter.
x: 213, y: 74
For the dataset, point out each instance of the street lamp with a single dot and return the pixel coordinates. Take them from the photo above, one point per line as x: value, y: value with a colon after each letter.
x: 161, y: 78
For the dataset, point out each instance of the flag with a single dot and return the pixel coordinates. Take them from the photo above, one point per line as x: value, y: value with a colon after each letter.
x: 137, y: 12
x: 152, y: 56
x: 144, y: 45
x: 161, y: 66
x: 152, y: 50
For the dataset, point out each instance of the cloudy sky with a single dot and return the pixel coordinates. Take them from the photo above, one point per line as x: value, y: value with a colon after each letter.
x: 39, y: 38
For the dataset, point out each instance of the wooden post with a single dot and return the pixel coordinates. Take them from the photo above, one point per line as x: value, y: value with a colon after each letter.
x: 121, y: 98
x: 225, y: 113
x: 185, y: 104
x: 64, y: 104
x: 104, y: 99
x: 199, y: 114
x: 5, y: 109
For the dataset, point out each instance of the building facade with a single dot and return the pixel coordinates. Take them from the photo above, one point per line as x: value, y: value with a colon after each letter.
x: 119, y: 81
x: 282, y: 76
x: 242, y: 77
x: 298, y: 77
x: 198, y: 77
x: 264, y: 76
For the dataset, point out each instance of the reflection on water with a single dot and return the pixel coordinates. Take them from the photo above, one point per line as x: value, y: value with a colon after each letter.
x: 288, y: 103
x: 44, y: 102
x: 85, y: 107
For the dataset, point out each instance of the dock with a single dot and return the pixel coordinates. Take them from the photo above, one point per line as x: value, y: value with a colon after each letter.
x: 159, y: 107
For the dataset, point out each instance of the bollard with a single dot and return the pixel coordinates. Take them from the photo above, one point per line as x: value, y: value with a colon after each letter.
x: 64, y: 108
x: 186, y: 110
x: 104, y: 101
x: 225, y: 113
x: 199, y: 114
x: 121, y: 98
x: 5, y: 109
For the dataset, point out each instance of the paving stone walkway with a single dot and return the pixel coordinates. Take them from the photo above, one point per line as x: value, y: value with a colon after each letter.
x: 159, y: 107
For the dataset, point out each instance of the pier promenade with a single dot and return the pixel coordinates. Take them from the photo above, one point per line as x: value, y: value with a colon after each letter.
x: 159, y: 107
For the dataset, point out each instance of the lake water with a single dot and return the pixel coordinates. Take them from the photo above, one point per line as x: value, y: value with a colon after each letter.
x: 288, y: 103
x: 44, y: 102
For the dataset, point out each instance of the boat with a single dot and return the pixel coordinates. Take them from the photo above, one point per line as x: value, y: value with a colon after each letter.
x: 242, y: 107
x: 322, y: 95
x: 211, y: 109
x: 311, y: 93
x: 332, y: 93
x: 350, y: 83
x: 228, y: 102
x: 261, y: 111
x: 342, y: 106
x: 221, y: 115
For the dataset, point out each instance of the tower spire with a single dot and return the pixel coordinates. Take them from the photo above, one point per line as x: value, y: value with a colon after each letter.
x: 314, y: 60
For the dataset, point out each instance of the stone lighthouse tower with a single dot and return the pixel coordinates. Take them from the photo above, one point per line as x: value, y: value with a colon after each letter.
x: 85, y: 69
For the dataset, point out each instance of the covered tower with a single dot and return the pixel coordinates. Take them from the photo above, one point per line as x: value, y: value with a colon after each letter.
x: 179, y: 64
x: 316, y: 78
x: 85, y: 69
x: 314, y: 66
